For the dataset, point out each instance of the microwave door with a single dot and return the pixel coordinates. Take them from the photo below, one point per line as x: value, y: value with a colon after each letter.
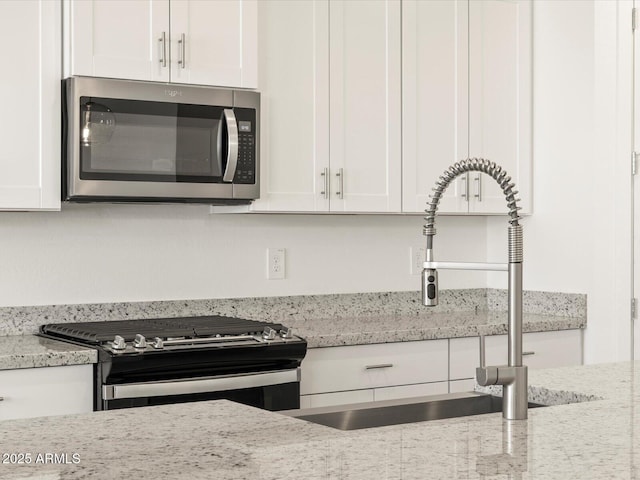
x: 228, y: 143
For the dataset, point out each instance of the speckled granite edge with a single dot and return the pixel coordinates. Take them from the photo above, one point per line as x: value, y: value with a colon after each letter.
x: 541, y: 303
x: 545, y: 396
x: 26, y: 320
x: 29, y: 351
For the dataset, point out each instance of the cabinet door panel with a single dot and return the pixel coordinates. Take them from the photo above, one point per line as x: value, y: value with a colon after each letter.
x: 35, y: 392
x: 500, y: 98
x: 370, y: 366
x: 30, y: 124
x: 336, y: 398
x: 220, y: 42
x: 294, y: 87
x: 541, y: 350
x: 435, y: 100
x: 365, y: 105
x: 117, y: 38
x: 408, y: 391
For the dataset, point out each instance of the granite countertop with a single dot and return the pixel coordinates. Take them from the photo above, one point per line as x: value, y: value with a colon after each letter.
x: 28, y: 351
x: 360, y: 330
x: 595, y: 439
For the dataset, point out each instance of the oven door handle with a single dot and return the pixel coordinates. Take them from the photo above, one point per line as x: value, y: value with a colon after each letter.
x: 200, y: 385
x: 232, y: 144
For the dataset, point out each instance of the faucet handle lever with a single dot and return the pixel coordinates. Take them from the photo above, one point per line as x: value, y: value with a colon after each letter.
x: 482, y: 352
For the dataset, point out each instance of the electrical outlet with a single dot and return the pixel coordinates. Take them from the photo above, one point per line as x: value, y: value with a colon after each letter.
x: 276, y: 263
x: 416, y: 257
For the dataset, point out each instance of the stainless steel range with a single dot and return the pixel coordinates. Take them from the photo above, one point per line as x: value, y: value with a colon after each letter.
x: 172, y: 360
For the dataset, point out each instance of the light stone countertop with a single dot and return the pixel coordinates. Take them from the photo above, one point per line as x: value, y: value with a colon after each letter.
x: 28, y: 351
x: 597, y: 439
x: 331, y: 332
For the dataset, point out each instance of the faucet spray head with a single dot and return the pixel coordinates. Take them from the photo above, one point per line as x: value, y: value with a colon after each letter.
x: 429, y: 278
x: 429, y: 287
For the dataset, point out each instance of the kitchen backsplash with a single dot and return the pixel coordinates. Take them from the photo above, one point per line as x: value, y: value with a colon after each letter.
x: 26, y: 320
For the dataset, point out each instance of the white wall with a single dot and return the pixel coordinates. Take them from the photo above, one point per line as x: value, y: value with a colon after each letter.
x: 114, y: 253
x: 578, y: 240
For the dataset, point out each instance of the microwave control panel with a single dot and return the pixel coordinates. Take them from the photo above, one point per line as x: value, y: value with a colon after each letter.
x: 246, y: 169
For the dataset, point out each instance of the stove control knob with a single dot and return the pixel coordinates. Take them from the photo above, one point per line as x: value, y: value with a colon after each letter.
x: 140, y: 341
x: 118, y: 343
x: 158, y: 343
x: 286, y: 333
x: 269, y: 333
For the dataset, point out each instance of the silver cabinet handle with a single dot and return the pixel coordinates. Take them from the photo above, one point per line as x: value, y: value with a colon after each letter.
x: 232, y: 144
x: 528, y: 353
x: 478, y: 193
x: 381, y: 365
x: 325, y: 176
x: 163, y: 49
x: 340, y: 176
x: 465, y: 192
x: 181, y: 51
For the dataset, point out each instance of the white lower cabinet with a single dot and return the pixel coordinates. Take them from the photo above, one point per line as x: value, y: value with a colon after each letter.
x: 351, y: 374
x: 36, y: 392
x: 366, y: 373
x: 540, y: 350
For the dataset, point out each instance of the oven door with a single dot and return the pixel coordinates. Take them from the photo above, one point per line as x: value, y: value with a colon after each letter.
x: 274, y: 390
x: 153, y: 142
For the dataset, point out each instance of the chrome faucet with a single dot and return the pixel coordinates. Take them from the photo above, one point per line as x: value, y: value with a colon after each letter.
x: 513, y: 377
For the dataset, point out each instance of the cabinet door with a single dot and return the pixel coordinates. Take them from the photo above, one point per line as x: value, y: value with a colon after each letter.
x: 434, y: 100
x: 409, y: 391
x: 500, y: 98
x: 372, y: 366
x: 365, y: 97
x: 117, y: 38
x: 294, y: 87
x: 214, y: 43
x: 36, y: 392
x: 336, y: 398
x: 540, y: 350
x: 30, y: 124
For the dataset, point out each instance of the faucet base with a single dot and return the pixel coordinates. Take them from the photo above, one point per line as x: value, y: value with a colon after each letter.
x: 515, y: 395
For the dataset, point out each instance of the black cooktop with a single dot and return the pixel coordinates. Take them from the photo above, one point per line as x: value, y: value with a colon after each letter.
x: 192, y: 327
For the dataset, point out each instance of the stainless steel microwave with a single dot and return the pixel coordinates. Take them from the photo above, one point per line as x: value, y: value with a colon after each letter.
x: 132, y: 141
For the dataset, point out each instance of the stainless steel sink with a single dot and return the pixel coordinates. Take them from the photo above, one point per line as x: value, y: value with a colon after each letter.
x: 395, y: 412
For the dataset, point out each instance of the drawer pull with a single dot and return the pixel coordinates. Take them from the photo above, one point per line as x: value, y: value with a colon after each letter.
x: 382, y: 365
x: 528, y: 353
x: 1, y: 399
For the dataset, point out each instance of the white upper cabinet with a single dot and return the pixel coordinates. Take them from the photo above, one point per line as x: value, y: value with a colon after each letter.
x: 500, y: 96
x: 331, y: 102
x: 294, y: 86
x: 214, y: 42
x: 182, y: 41
x: 435, y: 86
x: 365, y: 106
x: 30, y: 124
x: 466, y: 93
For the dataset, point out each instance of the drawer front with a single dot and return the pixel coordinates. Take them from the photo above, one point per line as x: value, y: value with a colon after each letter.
x: 336, y: 398
x: 408, y: 391
x: 540, y: 350
x: 356, y: 367
x: 35, y: 392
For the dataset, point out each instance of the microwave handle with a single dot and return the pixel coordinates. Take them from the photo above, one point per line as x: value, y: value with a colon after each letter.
x: 232, y: 144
